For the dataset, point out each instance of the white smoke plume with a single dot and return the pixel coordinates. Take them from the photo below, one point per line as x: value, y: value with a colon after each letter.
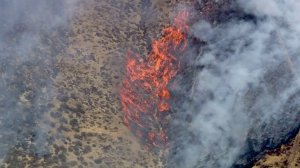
x: 26, y: 65
x: 246, y: 96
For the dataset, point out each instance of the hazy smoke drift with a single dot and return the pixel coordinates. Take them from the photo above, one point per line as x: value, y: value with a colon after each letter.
x: 246, y: 98
x: 26, y: 64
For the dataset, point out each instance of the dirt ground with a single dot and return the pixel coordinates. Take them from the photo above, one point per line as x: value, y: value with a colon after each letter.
x: 84, y: 124
x: 287, y: 156
x: 94, y: 54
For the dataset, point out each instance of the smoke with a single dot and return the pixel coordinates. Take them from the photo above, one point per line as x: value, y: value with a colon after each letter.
x: 26, y: 67
x: 245, y: 97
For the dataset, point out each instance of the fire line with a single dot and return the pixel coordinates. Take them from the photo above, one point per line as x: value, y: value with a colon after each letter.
x: 144, y: 93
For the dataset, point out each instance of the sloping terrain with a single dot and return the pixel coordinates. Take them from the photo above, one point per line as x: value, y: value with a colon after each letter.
x: 286, y: 156
x: 69, y: 93
x: 82, y: 125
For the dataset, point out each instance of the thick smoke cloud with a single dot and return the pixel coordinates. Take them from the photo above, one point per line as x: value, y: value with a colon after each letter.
x: 245, y: 98
x: 26, y: 65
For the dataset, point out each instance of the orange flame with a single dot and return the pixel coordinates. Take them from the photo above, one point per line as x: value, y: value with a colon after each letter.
x: 144, y: 94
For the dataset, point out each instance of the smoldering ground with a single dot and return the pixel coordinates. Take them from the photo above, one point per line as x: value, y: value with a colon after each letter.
x: 27, y: 59
x: 243, y: 91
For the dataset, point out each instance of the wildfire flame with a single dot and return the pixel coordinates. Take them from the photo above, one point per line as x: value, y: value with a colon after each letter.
x: 144, y: 94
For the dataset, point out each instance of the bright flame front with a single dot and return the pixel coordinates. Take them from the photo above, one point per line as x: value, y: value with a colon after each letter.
x: 144, y: 94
